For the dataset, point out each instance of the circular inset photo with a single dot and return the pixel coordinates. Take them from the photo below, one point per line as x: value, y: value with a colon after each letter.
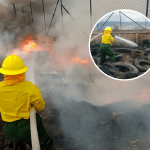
x: 120, y: 44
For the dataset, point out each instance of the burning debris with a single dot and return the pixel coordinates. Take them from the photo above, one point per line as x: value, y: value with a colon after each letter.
x: 28, y: 44
x: 79, y: 60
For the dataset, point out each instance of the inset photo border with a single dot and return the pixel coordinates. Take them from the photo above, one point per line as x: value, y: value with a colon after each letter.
x: 119, y: 44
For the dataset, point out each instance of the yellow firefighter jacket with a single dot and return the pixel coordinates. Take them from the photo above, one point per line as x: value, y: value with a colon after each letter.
x: 107, y: 38
x: 16, y: 100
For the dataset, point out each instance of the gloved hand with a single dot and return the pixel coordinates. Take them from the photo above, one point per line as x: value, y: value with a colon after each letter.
x: 112, y: 35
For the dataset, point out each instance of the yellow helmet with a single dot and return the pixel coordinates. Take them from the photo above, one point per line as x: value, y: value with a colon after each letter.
x: 108, y: 28
x: 13, y: 65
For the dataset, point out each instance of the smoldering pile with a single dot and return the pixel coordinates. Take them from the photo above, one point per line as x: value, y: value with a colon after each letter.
x: 81, y: 125
x: 130, y: 62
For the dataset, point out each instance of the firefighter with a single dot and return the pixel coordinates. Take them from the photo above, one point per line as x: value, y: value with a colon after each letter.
x: 16, y: 98
x: 105, y: 48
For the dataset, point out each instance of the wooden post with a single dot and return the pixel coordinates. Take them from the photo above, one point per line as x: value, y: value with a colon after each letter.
x: 137, y: 37
x: 33, y: 128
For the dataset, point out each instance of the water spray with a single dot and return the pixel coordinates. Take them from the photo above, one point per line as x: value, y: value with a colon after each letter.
x: 95, y: 37
x: 132, y: 44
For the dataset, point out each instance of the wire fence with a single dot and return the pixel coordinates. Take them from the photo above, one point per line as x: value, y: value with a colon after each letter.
x: 140, y: 37
x: 45, y: 15
x: 144, y: 39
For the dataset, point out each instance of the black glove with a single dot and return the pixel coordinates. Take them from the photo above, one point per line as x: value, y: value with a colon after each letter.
x: 112, y: 35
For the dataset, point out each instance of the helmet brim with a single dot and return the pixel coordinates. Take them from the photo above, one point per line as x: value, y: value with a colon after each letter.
x: 13, y: 72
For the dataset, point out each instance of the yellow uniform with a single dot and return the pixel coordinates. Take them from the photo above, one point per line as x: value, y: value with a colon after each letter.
x: 105, y: 48
x: 16, y: 100
x: 107, y: 39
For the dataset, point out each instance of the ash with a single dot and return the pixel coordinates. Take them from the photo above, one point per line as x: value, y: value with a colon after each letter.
x: 81, y: 125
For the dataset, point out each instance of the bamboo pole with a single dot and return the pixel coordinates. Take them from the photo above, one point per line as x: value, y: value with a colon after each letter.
x: 33, y: 128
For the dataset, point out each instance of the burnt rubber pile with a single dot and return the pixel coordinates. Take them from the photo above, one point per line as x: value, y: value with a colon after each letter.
x: 129, y: 63
x: 81, y: 125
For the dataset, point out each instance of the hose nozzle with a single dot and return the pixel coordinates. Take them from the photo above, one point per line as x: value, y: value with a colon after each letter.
x: 112, y: 35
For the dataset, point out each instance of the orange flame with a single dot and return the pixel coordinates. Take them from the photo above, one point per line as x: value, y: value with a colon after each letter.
x: 28, y: 44
x: 78, y: 60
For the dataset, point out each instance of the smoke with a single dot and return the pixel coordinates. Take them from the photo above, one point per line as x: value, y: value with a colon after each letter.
x: 56, y: 74
x: 78, y: 81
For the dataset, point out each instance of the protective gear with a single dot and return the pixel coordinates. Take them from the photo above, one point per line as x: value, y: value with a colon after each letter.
x: 13, y: 65
x: 108, y: 28
x: 16, y: 100
x: 10, y: 80
x: 19, y: 132
x: 105, y: 49
x: 107, y: 37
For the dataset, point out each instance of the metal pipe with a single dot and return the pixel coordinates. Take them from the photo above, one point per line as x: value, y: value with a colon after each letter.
x: 23, y: 14
x: 132, y: 20
x: 73, y: 19
x: 120, y: 21
x: 52, y: 17
x: 14, y: 11
x: 62, y: 15
x: 31, y: 12
x: 106, y: 20
x: 147, y: 6
x: 145, y: 22
x: 44, y: 14
x: 91, y: 13
x: 33, y: 129
x: 22, y: 10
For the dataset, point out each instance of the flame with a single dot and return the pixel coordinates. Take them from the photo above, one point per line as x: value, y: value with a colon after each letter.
x: 29, y: 44
x: 78, y: 60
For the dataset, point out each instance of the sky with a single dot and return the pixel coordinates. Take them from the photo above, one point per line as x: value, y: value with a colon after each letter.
x: 136, y: 16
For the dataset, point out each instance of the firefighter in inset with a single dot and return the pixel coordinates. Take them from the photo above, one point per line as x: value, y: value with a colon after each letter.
x: 16, y: 98
x: 105, y: 48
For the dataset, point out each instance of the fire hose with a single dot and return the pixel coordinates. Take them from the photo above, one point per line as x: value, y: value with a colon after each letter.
x: 33, y: 128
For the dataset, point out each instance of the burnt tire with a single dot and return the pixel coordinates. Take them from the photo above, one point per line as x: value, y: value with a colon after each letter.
x: 142, y: 64
x: 119, y: 57
x: 95, y: 60
x: 123, y: 70
x: 122, y: 50
x: 94, y: 52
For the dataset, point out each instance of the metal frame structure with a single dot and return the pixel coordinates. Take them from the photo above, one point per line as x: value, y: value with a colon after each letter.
x: 63, y: 8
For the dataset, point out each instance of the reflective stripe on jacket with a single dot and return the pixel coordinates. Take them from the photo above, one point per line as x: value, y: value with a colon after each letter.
x: 16, y: 100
